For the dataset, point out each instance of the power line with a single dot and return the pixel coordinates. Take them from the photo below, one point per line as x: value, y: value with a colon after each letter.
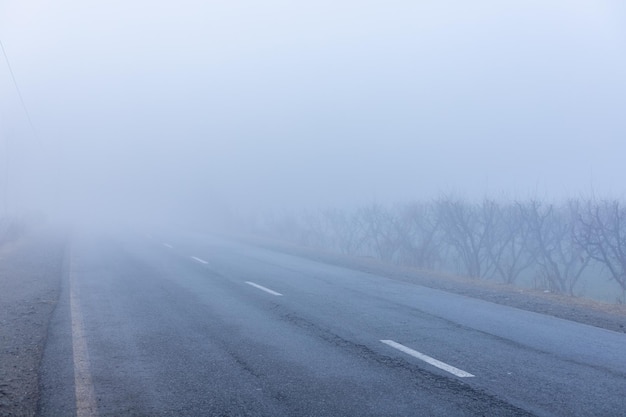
x: 17, y: 88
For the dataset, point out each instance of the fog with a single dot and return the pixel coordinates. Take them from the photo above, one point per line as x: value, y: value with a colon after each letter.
x: 194, y: 109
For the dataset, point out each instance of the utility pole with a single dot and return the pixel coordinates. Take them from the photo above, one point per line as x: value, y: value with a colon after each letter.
x: 5, y: 180
x: 6, y: 188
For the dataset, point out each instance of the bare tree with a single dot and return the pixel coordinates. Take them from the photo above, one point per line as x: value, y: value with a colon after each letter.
x: 602, y: 234
x: 381, y: 231
x: 507, y: 244
x: 313, y: 230
x: 560, y: 258
x: 419, y: 234
x: 347, y: 230
x: 466, y: 230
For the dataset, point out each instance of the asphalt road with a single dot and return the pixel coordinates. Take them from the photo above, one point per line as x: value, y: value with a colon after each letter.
x: 190, y: 325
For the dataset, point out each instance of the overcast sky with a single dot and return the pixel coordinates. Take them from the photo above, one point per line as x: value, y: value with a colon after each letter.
x: 311, y: 103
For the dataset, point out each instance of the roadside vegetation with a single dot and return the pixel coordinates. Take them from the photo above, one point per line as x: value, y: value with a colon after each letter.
x: 576, y: 248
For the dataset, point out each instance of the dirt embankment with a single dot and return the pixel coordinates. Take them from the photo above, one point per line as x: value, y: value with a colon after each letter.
x: 30, y: 277
x: 604, y: 315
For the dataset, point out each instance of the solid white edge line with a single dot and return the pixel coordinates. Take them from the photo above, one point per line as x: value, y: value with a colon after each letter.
x: 199, y: 260
x: 167, y: 245
x: 262, y: 288
x: 86, y: 404
x: 434, y: 362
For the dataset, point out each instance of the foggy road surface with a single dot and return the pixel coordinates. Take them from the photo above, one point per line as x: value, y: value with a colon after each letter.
x: 189, y: 325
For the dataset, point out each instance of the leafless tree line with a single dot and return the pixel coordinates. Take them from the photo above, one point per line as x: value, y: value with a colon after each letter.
x: 553, y: 244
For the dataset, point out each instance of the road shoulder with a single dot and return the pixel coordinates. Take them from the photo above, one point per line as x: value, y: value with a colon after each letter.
x: 581, y: 310
x: 30, y: 277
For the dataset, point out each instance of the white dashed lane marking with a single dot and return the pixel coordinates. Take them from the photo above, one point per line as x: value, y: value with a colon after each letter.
x: 202, y: 261
x: 262, y: 288
x: 432, y: 361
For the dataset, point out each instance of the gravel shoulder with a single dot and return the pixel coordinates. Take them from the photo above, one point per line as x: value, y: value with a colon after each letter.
x: 30, y: 277
x: 581, y: 310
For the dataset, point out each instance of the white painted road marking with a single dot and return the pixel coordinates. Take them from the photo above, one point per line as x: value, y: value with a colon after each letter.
x: 434, y: 362
x: 199, y: 260
x: 262, y: 288
x: 167, y: 245
x: 83, y: 385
